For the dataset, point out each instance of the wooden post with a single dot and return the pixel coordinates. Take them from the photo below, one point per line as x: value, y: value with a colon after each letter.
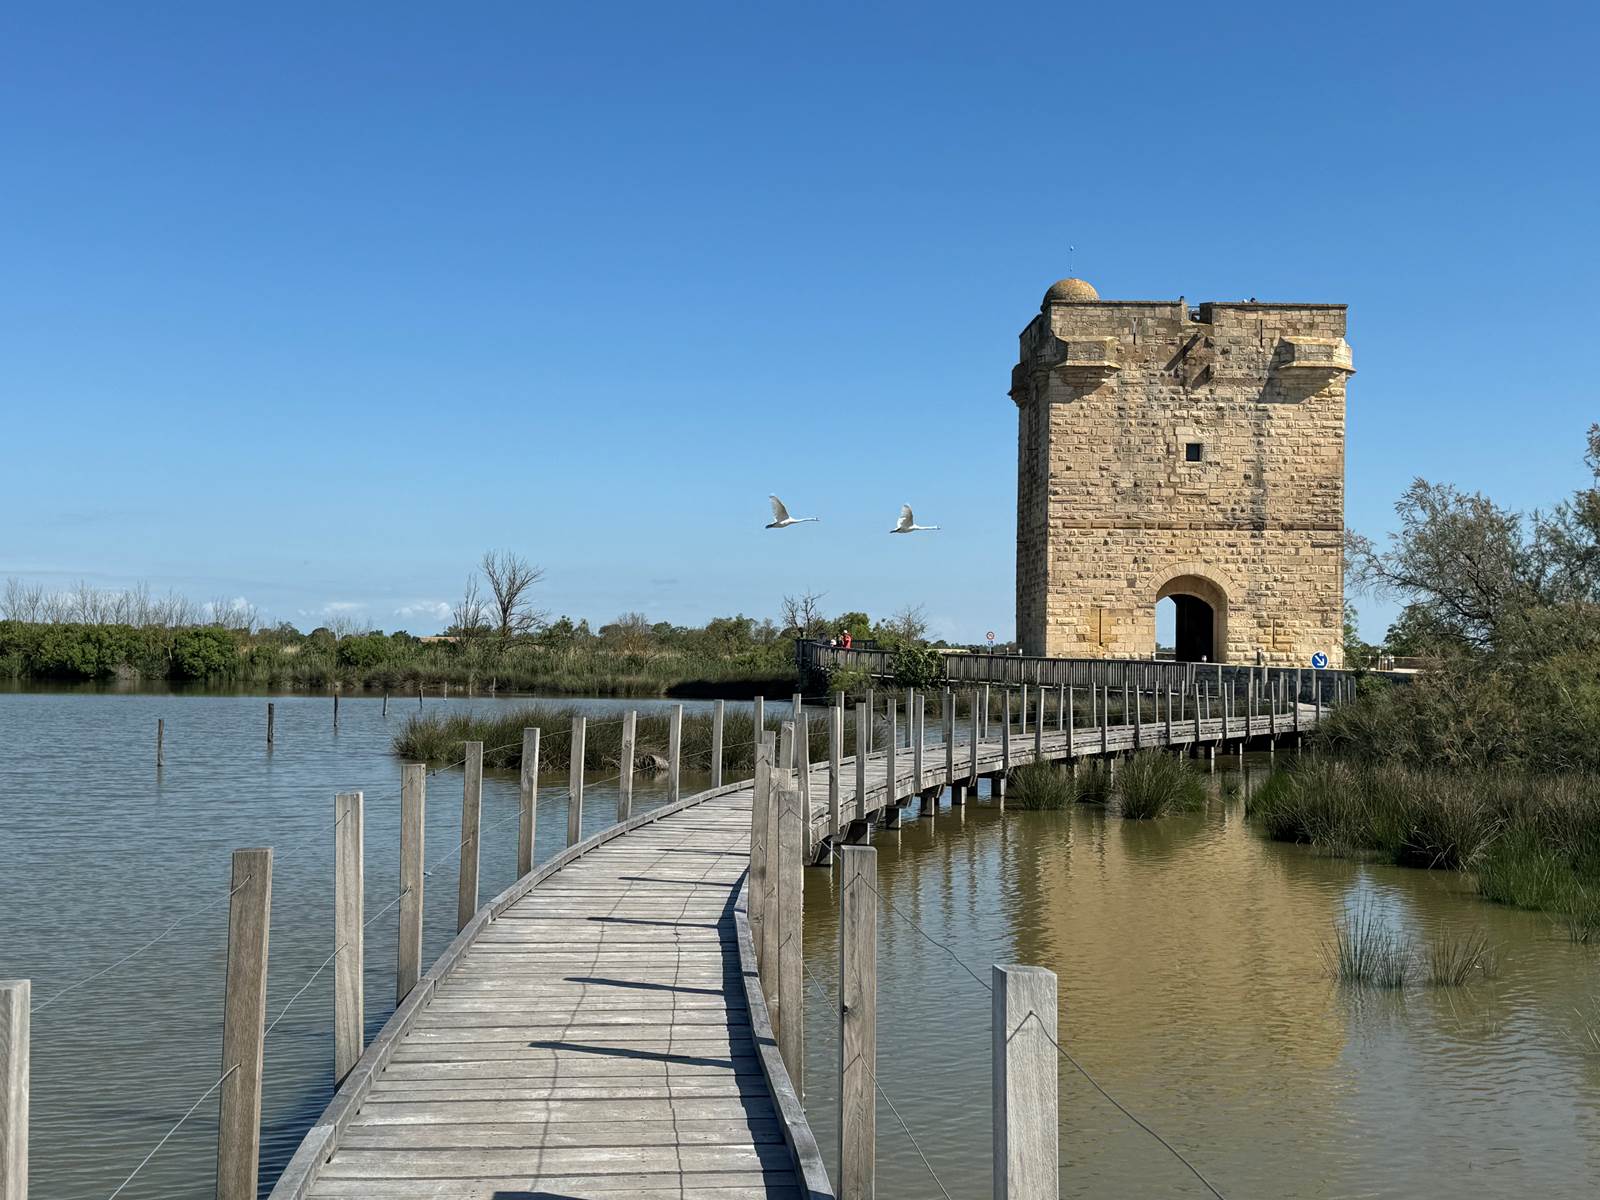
x: 1316, y: 679
x: 674, y: 753
x: 769, y: 900
x: 1063, y: 699
x: 1105, y: 718
x: 791, y: 1020
x: 858, y: 1021
x: 890, y: 753
x: 408, y: 954
x: 972, y: 765
x: 982, y: 726
x: 471, y: 814
x: 349, y: 959
x: 785, y: 759
x: 918, y: 717
x: 576, y: 750
x: 1038, y: 728
x: 759, y: 715
x: 336, y: 709
x: 863, y: 736
x: 1169, y: 716
x: 1027, y: 1138
x: 1005, y: 734
x: 760, y: 859
x: 626, y: 755
x: 717, y: 714
x: 419, y: 695
x: 1069, y: 719
x: 528, y: 801
x: 1138, y: 717
x: 949, y: 740
x: 871, y: 709
x: 1197, y: 717
x: 16, y: 1008
x: 911, y: 707
x: 835, y: 766
x: 244, y: 1013
x: 802, y: 774
x: 161, y: 741
x: 272, y: 714
x: 1023, y: 730
x: 386, y: 704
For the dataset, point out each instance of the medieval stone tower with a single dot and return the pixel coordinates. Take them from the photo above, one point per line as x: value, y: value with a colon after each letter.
x: 1196, y: 453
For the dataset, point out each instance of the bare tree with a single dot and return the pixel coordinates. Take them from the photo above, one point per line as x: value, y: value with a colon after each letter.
x: 909, y: 625
x: 470, y: 615
x: 802, y: 614
x: 511, y: 578
x: 631, y: 632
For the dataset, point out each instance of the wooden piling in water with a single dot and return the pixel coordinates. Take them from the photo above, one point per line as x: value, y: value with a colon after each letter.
x: 271, y: 722
x: 835, y: 766
x: 471, y: 817
x: 858, y: 1021
x: 244, y: 1012
x: 575, y: 749
x: 972, y: 763
x: 16, y: 1015
x: 161, y: 741
x: 408, y: 953
x: 949, y: 740
x: 1027, y: 1138
x: 349, y: 959
x: 528, y: 800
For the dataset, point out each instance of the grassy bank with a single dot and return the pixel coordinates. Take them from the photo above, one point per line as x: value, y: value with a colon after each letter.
x: 1527, y: 840
x: 440, y: 738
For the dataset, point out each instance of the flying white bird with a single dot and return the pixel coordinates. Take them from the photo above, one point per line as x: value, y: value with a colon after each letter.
x: 908, y: 523
x: 781, y: 518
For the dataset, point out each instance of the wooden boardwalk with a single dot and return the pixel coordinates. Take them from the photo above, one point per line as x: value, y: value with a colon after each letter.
x: 598, y: 1031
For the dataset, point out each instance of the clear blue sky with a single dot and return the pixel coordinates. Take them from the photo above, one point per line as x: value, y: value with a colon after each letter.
x: 311, y: 304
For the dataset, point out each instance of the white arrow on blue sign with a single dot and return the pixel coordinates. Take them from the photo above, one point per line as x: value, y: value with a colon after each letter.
x: 1319, y: 660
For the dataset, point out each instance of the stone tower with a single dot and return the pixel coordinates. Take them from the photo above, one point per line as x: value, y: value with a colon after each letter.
x: 1196, y: 453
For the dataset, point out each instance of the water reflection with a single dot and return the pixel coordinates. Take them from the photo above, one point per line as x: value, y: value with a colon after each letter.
x: 1192, y: 984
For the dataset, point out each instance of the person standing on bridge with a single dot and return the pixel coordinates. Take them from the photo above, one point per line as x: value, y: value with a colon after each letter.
x: 847, y: 639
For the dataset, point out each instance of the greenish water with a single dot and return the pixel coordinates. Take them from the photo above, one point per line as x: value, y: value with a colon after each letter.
x: 1192, y: 987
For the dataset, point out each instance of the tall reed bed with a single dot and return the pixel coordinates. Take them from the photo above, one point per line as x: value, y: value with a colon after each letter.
x: 1155, y: 784
x: 1532, y: 841
x: 436, y: 737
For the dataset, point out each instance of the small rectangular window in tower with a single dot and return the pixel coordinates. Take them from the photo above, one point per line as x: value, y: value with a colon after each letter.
x: 1192, y: 451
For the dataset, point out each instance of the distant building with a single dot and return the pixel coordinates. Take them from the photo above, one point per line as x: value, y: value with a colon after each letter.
x: 1196, y: 453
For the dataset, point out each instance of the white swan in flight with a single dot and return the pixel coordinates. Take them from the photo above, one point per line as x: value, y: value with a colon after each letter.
x: 781, y: 518
x: 908, y: 523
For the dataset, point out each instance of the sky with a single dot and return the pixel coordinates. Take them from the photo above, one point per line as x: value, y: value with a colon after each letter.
x: 311, y: 304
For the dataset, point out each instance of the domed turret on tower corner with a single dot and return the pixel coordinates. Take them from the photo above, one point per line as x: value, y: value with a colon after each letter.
x: 1070, y: 290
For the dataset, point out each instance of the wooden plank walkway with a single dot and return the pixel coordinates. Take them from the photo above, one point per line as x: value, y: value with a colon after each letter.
x: 589, y: 1034
x: 593, y: 1041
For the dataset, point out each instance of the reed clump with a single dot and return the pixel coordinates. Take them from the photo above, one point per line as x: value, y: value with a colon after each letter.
x: 1152, y: 784
x: 1454, y: 959
x: 1093, y: 780
x: 435, y: 737
x: 1365, y: 952
x: 1531, y: 841
x: 1041, y: 787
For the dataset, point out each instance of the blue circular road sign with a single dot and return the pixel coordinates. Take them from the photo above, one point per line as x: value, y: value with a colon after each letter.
x: 1319, y: 660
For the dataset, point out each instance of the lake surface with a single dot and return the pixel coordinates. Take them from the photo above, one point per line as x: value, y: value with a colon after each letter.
x: 1188, y: 950
x: 1192, y: 987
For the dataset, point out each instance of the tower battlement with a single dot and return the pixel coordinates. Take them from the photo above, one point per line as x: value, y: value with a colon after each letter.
x: 1188, y: 451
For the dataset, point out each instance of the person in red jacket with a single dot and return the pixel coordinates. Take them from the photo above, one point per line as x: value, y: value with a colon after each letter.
x: 847, y: 639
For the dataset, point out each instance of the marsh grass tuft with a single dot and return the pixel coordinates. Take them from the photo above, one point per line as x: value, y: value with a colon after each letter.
x: 1093, y: 780
x: 1041, y: 786
x: 1454, y: 959
x: 1365, y: 952
x: 1154, y: 784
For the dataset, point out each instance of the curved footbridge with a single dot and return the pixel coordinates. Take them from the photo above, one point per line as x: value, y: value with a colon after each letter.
x: 599, y: 1028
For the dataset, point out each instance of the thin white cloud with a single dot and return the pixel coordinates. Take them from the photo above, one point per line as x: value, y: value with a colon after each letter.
x: 437, y: 609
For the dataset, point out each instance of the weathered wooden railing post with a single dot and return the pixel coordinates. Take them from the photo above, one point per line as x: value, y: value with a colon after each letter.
x: 1169, y: 715
x: 872, y: 701
x: 1105, y: 718
x: 1038, y: 727
x: 1316, y: 680
x: 972, y: 764
x: 471, y: 817
x: 349, y: 957
x: 835, y: 765
x: 627, y: 753
x: 718, y: 712
x: 863, y: 740
x: 1027, y: 1137
x: 949, y: 740
x: 791, y: 913
x: 769, y: 899
x: 272, y: 718
x: 16, y: 1009
x: 802, y: 773
x: 982, y: 723
x: 1069, y: 718
x: 674, y: 753
x: 408, y: 952
x: 575, y: 752
x: 891, y: 755
x: 1023, y: 729
x: 1005, y: 736
x: 244, y: 1013
x: 760, y: 858
x: 528, y: 800
x: 918, y: 716
x: 759, y: 715
x: 858, y: 1021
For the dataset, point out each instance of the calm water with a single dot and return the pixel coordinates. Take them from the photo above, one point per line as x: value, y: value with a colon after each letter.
x: 1192, y: 987
x: 1188, y: 952
x: 99, y: 853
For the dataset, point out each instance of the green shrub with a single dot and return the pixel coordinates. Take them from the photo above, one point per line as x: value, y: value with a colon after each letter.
x: 917, y: 667
x: 363, y: 650
x: 1153, y: 784
x: 204, y: 653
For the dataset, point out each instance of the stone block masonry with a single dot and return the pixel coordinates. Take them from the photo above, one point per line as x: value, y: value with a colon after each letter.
x: 1197, y: 453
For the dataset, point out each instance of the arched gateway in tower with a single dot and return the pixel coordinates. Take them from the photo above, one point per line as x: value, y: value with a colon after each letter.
x: 1191, y: 453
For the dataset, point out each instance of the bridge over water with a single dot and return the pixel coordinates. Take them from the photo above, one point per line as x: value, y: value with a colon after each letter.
x: 602, y: 1028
